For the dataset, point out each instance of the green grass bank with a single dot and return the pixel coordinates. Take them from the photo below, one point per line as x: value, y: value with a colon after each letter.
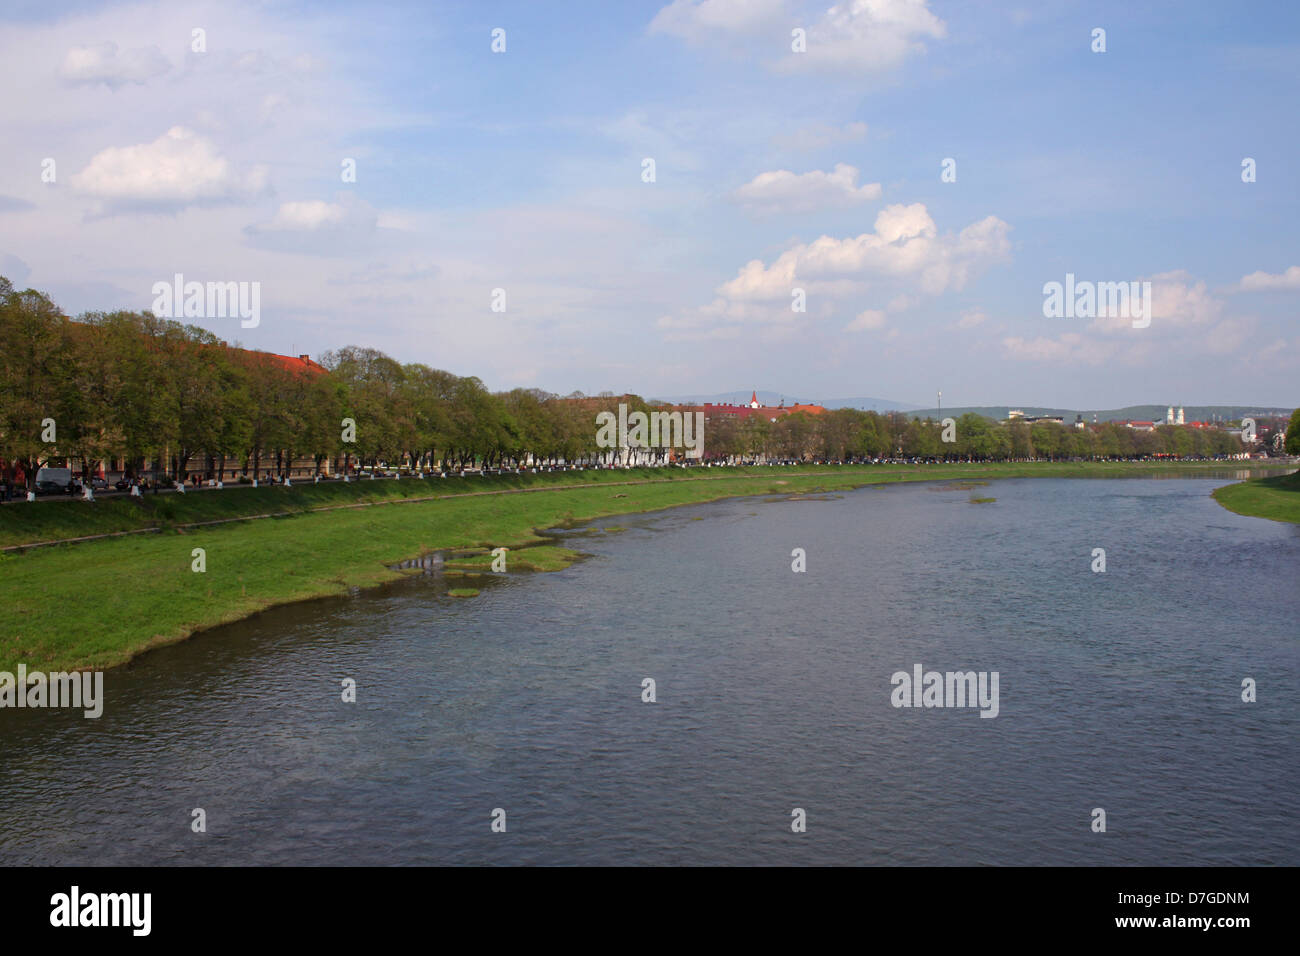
x: 97, y: 604
x: 1276, y: 497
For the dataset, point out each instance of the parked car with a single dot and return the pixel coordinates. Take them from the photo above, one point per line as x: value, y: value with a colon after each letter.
x: 55, y: 481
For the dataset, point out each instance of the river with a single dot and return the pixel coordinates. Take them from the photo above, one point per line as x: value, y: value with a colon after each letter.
x: 1119, y: 690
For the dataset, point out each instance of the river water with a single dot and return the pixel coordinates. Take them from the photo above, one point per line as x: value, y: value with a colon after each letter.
x: 1118, y: 690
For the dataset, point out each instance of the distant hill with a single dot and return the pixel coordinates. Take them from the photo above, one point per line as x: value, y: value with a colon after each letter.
x: 1141, y: 413
x: 870, y: 404
x: 776, y: 398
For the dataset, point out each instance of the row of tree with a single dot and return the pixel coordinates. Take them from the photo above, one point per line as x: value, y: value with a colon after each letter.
x: 133, y: 387
x: 845, y: 433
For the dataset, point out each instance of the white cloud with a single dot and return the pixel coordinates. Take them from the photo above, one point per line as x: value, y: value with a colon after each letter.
x: 905, y: 244
x: 317, y: 227
x: 1259, y: 281
x: 867, y: 36
x: 867, y: 320
x: 101, y: 63
x: 1178, y: 301
x: 971, y: 318
x: 177, y: 169
x: 905, y: 247
x: 859, y: 36
x: 697, y: 20
x: 302, y: 216
x: 782, y: 191
x: 1185, y: 318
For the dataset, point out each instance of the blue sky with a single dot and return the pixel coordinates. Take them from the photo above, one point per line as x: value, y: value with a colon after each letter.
x: 774, y: 170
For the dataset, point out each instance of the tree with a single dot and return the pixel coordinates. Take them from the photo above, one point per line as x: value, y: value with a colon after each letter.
x: 873, y: 440
x: 975, y: 438
x: 146, y: 401
x: 33, y: 377
x: 1021, y: 444
x: 1293, y: 434
x: 375, y: 399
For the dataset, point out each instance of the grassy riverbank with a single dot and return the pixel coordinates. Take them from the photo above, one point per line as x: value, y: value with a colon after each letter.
x: 1276, y: 498
x: 100, y: 603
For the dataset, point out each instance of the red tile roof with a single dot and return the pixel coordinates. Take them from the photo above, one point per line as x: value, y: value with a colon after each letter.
x: 293, y: 363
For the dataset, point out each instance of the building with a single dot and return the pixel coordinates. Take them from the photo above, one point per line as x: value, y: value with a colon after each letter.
x: 717, y: 411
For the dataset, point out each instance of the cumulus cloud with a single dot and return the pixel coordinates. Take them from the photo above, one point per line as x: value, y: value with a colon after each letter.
x: 858, y: 36
x: 1262, y: 281
x: 1185, y: 316
x: 905, y: 247
x: 304, y: 216
x: 865, y: 36
x: 179, y: 168
x: 1178, y: 301
x: 971, y: 318
x: 315, y: 226
x: 905, y: 244
x: 696, y: 20
x: 782, y: 191
x: 102, y: 63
